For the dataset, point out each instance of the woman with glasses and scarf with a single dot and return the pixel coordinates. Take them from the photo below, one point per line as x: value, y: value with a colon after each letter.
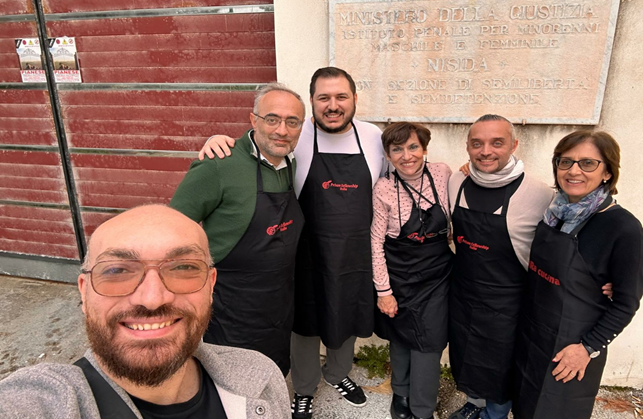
x: 411, y: 265
x: 584, y: 241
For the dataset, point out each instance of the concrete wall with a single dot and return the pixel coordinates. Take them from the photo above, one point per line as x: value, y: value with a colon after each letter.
x: 301, y: 31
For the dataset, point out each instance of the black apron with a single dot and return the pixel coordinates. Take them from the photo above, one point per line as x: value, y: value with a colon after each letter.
x: 419, y: 263
x: 110, y: 404
x: 563, y: 303
x: 334, y: 291
x: 486, y: 292
x: 254, y: 291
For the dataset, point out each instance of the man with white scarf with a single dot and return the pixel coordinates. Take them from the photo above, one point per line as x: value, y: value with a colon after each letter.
x: 495, y: 212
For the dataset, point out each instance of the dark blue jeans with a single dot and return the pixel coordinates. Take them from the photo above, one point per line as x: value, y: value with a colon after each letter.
x: 496, y: 411
x: 493, y: 410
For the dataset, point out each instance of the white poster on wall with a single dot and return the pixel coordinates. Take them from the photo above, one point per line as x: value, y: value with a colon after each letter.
x: 63, y: 52
x: 28, y: 50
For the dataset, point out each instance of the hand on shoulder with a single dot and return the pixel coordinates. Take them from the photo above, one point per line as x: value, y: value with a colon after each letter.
x: 219, y: 145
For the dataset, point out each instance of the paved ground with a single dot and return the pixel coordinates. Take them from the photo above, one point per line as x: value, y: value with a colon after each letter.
x: 43, y: 322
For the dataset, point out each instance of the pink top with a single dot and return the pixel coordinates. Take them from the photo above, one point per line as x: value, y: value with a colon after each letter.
x: 386, y: 221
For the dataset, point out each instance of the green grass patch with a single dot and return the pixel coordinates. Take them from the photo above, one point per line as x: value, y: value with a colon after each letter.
x: 375, y: 359
x: 445, y: 372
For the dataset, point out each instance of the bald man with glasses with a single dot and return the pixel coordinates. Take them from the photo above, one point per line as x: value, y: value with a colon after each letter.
x: 146, y: 291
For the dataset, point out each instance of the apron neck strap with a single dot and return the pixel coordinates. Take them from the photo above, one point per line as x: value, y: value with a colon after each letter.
x: 316, y: 148
x: 408, y: 188
x: 260, y: 178
x: 508, y: 192
x: 110, y: 404
x: 457, y: 199
x: 290, y: 178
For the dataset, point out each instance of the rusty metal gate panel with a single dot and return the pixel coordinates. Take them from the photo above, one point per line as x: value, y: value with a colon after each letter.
x: 156, y: 82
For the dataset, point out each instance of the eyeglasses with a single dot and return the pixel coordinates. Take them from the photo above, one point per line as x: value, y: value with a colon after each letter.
x: 586, y: 165
x: 275, y: 121
x: 118, y: 278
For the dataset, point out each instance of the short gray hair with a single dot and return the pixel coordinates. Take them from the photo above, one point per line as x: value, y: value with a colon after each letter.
x: 276, y: 87
x: 493, y: 117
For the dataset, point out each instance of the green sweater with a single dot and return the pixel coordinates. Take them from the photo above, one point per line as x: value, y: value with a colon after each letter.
x: 222, y: 193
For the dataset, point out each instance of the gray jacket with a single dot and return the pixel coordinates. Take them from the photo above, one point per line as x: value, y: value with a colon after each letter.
x: 250, y: 386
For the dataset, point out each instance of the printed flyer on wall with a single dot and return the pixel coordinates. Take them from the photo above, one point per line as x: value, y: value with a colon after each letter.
x: 28, y: 50
x: 63, y: 52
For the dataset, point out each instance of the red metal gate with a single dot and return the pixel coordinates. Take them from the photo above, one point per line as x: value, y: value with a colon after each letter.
x: 156, y: 82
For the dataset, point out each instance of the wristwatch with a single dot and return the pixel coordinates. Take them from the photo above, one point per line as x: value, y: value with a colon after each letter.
x: 591, y: 351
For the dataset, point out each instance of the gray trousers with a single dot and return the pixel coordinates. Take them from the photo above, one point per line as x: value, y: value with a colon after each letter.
x: 305, y: 370
x: 416, y: 375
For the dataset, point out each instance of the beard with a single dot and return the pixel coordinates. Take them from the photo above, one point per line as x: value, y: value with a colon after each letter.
x: 348, y: 118
x: 273, y: 150
x: 145, y: 363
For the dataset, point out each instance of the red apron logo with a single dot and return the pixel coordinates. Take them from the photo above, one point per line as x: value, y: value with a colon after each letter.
x: 341, y: 186
x: 472, y: 246
x: 544, y: 275
x: 416, y: 237
x: 272, y: 230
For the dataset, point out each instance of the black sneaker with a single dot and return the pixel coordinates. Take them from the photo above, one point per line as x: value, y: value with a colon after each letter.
x: 468, y: 411
x: 302, y: 407
x: 351, y: 392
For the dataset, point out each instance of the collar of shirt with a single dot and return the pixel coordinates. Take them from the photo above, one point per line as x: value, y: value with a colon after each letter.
x: 280, y: 166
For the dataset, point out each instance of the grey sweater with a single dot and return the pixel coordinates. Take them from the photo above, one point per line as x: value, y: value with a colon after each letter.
x: 250, y: 386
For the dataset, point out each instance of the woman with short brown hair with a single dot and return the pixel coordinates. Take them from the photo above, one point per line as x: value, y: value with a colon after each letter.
x: 411, y: 265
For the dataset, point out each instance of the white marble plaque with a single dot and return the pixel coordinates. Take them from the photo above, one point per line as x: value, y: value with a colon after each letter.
x: 454, y: 60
